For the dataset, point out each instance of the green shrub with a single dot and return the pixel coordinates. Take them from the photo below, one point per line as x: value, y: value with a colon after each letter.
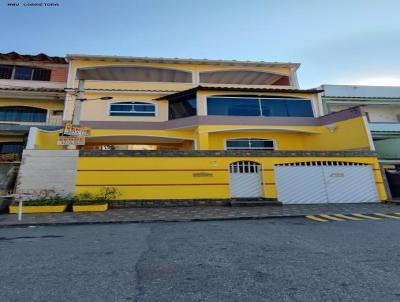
x: 46, y: 202
x: 105, y: 194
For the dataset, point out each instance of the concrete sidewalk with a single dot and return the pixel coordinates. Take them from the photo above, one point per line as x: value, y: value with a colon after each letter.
x: 197, y: 213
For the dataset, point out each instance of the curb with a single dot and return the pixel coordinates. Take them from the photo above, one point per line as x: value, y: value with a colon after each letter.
x: 147, y: 221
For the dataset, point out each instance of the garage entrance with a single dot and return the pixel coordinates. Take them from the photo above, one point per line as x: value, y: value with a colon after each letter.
x: 245, y: 179
x: 325, y: 182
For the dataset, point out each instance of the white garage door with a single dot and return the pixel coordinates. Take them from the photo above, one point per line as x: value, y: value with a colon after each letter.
x: 325, y: 182
x: 245, y: 179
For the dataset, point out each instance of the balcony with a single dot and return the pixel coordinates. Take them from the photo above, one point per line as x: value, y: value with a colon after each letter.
x: 384, y: 127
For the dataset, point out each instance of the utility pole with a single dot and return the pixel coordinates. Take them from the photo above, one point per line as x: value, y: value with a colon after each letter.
x: 76, y: 113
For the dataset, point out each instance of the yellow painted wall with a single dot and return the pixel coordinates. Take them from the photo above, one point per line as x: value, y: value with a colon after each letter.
x: 97, y: 110
x: 175, y: 177
x: 44, y: 104
x: 47, y: 140
x: 349, y: 134
x: 149, y: 86
x: 283, y: 141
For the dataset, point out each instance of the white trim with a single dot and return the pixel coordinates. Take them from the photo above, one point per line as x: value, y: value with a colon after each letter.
x: 293, y: 79
x: 195, y: 78
x: 274, y: 143
x: 130, y: 101
x: 30, y: 143
x: 370, y: 140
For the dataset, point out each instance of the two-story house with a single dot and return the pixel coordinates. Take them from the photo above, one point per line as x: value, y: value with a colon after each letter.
x: 31, y: 94
x: 382, y: 112
x: 211, y: 129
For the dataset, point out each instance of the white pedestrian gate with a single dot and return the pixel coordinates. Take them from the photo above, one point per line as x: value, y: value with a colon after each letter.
x: 325, y: 182
x: 245, y: 179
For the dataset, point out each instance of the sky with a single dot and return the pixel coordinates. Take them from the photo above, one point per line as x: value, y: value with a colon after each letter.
x: 352, y: 42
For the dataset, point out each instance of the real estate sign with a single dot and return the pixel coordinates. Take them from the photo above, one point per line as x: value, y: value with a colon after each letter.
x: 69, y: 129
x: 71, y: 140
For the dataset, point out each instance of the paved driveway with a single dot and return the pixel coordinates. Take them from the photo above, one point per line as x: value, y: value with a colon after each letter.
x: 287, y: 259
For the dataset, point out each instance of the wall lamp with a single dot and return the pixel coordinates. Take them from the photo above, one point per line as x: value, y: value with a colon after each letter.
x: 104, y: 98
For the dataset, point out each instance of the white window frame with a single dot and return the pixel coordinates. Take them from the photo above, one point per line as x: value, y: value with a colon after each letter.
x: 133, y: 103
x: 249, y: 139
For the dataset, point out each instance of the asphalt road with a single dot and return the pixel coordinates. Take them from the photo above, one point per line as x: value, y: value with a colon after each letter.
x: 255, y: 260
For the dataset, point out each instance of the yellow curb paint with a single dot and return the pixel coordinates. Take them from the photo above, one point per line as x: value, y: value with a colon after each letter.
x: 315, y: 218
x: 347, y: 217
x: 331, y: 217
x: 387, y: 216
x: 366, y: 217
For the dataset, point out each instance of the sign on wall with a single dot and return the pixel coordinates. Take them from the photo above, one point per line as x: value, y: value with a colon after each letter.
x: 71, y: 140
x: 69, y: 129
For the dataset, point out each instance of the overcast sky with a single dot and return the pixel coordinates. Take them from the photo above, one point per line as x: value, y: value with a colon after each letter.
x: 336, y: 41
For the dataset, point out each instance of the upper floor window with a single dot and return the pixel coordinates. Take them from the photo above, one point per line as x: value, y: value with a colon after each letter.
x: 248, y: 106
x: 26, y: 73
x: 132, y: 109
x: 249, y: 143
x: 183, y: 107
x: 23, y: 114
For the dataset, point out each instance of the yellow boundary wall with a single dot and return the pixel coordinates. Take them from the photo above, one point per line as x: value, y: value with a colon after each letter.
x: 186, y: 177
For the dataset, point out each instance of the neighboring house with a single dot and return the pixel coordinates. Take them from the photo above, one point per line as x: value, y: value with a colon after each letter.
x: 217, y: 129
x: 382, y: 110
x: 31, y: 94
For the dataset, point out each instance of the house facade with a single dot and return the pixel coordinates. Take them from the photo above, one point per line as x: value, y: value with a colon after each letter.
x: 204, y: 129
x: 382, y: 111
x: 31, y: 95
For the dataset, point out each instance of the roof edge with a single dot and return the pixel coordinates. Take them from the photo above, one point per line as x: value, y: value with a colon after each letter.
x: 245, y: 89
x: 70, y: 57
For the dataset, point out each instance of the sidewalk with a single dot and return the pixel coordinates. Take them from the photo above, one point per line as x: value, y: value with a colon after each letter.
x: 197, y: 213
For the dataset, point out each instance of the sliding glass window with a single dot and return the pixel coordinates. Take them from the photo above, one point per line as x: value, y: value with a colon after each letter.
x: 247, y: 106
x: 233, y: 106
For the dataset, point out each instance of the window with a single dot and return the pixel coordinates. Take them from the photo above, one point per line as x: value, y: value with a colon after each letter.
x: 132, y: 109
x: 23, y: 73
x: 182, y: 107
x: 249, y: 143
x: 11, y: 147
x: 11, y: 72
x: 6, y: 71
x: 248, y: 106
x: 233, y: 106
x: 23, y: 114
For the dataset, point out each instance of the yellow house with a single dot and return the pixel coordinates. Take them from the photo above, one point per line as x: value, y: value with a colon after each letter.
x: 212, y: 129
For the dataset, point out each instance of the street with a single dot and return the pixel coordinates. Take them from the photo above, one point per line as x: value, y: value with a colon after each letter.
x: 286, y: 259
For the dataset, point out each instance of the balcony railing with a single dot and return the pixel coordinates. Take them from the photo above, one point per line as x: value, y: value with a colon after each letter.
x: 384, y: 127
